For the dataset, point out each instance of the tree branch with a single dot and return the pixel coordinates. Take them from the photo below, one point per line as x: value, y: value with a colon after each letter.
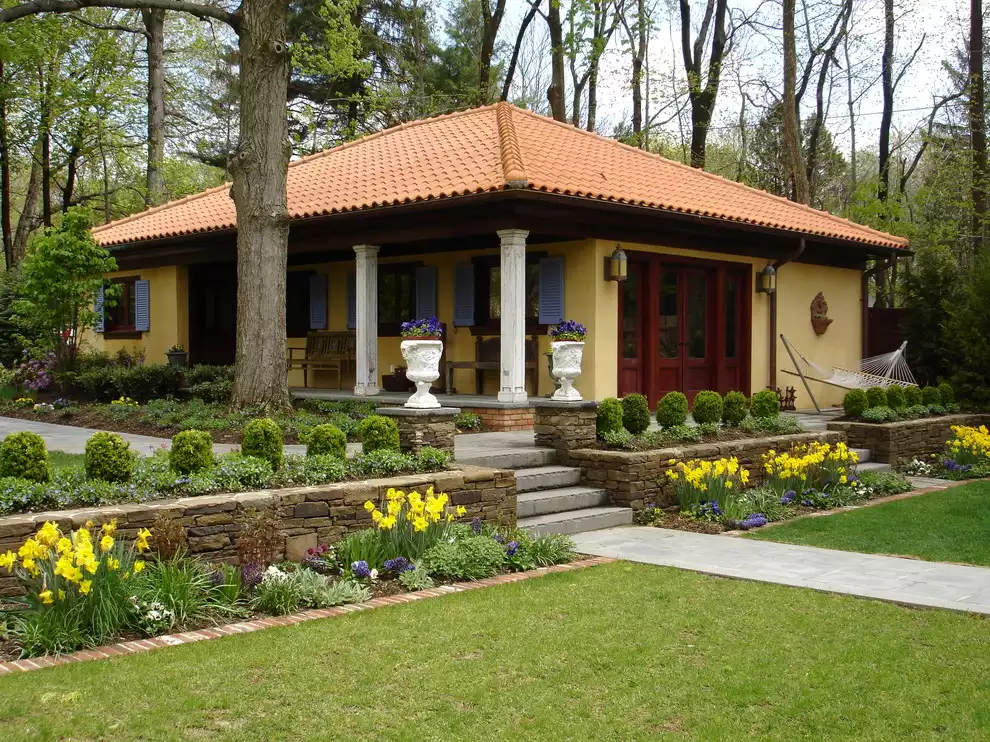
x: 108, y: 27
x: 36, y: 7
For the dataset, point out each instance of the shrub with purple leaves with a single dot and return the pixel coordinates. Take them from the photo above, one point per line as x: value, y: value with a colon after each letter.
x: 422, y: 328
x: 569, y: 330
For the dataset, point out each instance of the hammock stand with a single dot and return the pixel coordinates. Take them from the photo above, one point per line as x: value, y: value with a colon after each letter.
x: 887, y: 369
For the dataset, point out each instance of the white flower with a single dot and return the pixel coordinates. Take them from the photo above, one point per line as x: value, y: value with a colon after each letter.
x: 374, y: 574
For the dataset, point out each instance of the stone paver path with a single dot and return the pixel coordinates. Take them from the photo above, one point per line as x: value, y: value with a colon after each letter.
x: 906, y: 581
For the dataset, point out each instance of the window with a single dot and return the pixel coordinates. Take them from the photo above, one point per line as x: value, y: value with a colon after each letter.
x: 488, y: 290
x: 297, y: 304
x: 396, y: 297
x: 122, y: 317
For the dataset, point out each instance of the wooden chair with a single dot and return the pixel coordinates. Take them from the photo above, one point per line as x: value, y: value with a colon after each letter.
x: 324, y: 351
x: 488, y: 357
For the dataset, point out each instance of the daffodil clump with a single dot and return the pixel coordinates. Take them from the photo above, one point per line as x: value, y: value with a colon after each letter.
x: 813, y: 466
x: 968, y: 447
x: 707, y: 486
x: 76, y: 583
x: 409, y: 524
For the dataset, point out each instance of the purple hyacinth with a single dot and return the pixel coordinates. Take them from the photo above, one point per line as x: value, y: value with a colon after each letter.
x: 499, y: 537
x: 251, y: 574
x: 429, y: 327
x: 398, y: 565
x: 511, y: 548
x: 789, y: 497
x: 756, y: 520
x: 476, y: 525
x: 361, y: 570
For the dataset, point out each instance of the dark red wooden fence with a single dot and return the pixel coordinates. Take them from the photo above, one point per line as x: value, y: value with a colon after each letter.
x: 885, y: 330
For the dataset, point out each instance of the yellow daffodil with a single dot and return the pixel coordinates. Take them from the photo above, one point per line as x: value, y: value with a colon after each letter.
x: 61, y: 594
x: 461, y: 511
x: 49, y: 534
x: 138, y: 567
x: 64, y: 545
x: 46, y: 597
x: 369, y: 505
x: 8, y: 560
x: 109, y: 529
x: 113, y: 564
x: 85, y: 586
x: 141, y: 542
x: 106, y: 543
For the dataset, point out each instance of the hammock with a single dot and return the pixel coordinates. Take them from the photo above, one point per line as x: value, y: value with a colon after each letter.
x: 887, y: 369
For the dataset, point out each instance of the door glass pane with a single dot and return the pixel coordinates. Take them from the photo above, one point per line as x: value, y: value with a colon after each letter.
x: 669, y: 334
x: 630, y: 316
x: 731, y: 316
x: 697, y: 305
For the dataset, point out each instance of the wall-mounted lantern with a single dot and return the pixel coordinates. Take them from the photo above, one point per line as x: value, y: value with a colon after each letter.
x: 766, y: 280
x: 617, y: 265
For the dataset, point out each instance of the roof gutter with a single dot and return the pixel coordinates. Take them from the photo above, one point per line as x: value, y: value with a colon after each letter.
x: 802, y: 244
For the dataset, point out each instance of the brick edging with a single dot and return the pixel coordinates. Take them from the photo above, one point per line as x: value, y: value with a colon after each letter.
x: 257, y: 624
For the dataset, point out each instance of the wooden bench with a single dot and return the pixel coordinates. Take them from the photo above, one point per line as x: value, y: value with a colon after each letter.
x: 324, y: 351
x: 488, y: 357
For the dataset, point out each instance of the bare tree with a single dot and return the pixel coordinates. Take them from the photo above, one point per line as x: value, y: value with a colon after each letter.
x: 154, y: 32
x: 792, y: 125
x: 977, y: 122
x: 590, y: 25
x: 492, y: 20
x: 703, y: 96
x: 534, y: 7
x: 637, y: 37
x: 555, y: 93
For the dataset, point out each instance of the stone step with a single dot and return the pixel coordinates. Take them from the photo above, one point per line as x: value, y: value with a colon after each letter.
x: 873, y: 466
x: 546, y: 477
x: 517, y: 458
x: 577, y: 521
x: 863, y: 453
x: 563, y: 499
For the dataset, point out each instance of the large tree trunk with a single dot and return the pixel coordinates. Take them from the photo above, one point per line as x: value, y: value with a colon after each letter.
x: 887, y: 85
x: 259, y: 168
x: 555, y: 93
x: 638, y: 52
x: 30, y: 218
x: 46, y: 148
x: 593, y: 94
x: 514, y: 59
x: 792, y: 127
x: 5, y: 207
x: 702, y: 98
x: 154, y: 26
x: 492, y: 19
x: 977, y: 123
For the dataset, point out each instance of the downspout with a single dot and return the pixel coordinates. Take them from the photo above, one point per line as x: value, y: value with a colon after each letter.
x: 773, y: 311
x: 878, y: 268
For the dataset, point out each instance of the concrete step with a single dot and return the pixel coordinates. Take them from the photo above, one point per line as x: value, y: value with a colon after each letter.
x: 513, y: 458
x: 873, y: 466
x: 863, y: 453
x: 546, y: 478
x: 562, y: 499
x: 577, y: 521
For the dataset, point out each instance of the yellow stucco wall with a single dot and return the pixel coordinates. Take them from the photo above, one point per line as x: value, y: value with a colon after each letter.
x: 169, y: 305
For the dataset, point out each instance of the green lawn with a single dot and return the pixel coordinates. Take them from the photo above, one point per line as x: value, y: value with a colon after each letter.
x: 62, y: 460
x: 947, y: 526
x: 618, y: 652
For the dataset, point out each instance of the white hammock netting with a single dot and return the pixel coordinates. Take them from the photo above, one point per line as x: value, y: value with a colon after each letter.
x: 888, y: 369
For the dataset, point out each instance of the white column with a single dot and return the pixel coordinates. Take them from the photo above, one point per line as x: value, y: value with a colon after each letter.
x: 366, y: 318
x: 512, y: 384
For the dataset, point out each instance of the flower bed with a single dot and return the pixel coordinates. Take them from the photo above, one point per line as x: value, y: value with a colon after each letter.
x: 898, y: 443
x: 966, y: 456
x: 82, y: 587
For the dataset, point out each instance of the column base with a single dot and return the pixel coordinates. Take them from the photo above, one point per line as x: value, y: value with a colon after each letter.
x: 505, y: 396
x: 366, y: 390
x: 421, y: 428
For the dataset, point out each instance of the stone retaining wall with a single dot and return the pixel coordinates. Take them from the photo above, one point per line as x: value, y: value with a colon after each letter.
x: 565, y: 426
x: 307, y: 515
x: 898, y: 443
x: 635, y: 478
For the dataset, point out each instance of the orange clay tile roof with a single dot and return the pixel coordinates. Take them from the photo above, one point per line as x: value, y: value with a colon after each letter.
x: 491, y: 149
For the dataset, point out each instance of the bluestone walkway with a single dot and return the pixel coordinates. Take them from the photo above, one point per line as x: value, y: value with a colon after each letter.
x: 906, y: 581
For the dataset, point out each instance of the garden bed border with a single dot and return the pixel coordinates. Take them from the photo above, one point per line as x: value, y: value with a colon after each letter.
x: 899, y: 442
x: 246, y: 627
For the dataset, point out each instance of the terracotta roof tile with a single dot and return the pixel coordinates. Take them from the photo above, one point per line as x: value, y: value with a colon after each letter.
x: 489, y: 149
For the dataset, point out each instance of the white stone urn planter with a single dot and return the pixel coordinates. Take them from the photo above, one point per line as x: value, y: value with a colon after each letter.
x: 422, y: 357
x: 567, y: 356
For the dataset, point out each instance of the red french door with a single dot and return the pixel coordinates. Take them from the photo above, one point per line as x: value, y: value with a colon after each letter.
x: 684, y: 327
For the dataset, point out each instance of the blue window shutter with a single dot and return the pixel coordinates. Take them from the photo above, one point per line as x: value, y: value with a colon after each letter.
x: 351, y: 301
x: 142, y: 306
x: 463, y: 295
x: 426, y: 292
x: 318, y: 302
x: 98, y: 308
x: 551, y: 290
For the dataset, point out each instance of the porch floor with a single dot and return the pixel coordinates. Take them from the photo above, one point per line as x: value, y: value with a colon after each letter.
x: 470, y: 401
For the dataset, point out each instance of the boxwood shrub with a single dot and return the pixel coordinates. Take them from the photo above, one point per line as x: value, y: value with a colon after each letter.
x: 764, y: 404
x: 895, y: 397
x: 378, y: 433
x: 672, y: 410
x: 23, y: 455
x: 635, y: 413
x: 609, y: 417
x: 876, y: 396
x: 855, y: 403
x: 326, y: 439
x: 930, y: 396
x: 192, y: 451
x: 946, y: 393
x: 708, y: 407
x: 734, y: 409
x: 108, y: 457
x: 262, y: 438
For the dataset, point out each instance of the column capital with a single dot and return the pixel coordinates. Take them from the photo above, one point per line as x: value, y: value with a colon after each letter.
x: 517, y: 236
x: 366, y: 251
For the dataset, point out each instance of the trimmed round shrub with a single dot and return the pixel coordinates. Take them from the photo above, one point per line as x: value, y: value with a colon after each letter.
x: 855, y: 403
x: 734, y: 409
x: 609, y: 416
x: 108, y: 457
x: 378, y: 433
x: 912, y: 396
x: 23, y: 455
x: 635, y: 413
x: 930, y: 396
x: 262, y: 439
x: 895, y: 398
x: 764, y: 405
x: 672, y: 410
x: 876, y: 396
x: 708, y: 408
x: 947, y: 393
x: 192, y: 451
x: 326, y: 439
